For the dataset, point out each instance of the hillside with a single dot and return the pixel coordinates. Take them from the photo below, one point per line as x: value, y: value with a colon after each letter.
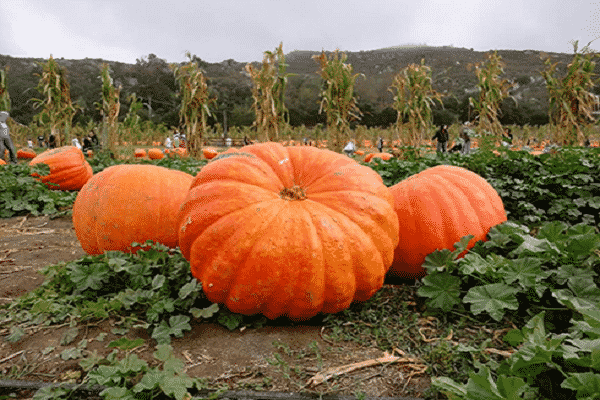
x: 152, y: 80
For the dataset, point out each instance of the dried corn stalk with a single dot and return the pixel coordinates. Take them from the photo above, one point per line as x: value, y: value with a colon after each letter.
x: 110, y: 107
x: 4, y: 97
x: 413, y: 99
x: 337, y: 96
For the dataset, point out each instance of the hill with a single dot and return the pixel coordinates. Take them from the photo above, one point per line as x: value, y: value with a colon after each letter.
x: 152, y: 80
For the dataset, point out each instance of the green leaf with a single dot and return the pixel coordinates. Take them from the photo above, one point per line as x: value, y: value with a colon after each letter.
x: 158, y: 281
x: 126, y: 344
x: 449, y: 387
x: 16, y: 333
x: 69, y: 335
x: 70, y: 353
x: 132, y: 363
x: 188, y: 288
x: 473, y: 262
x: 163, y: 352
x: 178, y: 324
x: 481, y: 386
x: 149, y: 381
x: 176, y: 386
x: 524, y: 270
x: 116, y: 393
x: 92, y: 276
x: 533, y: 245
x: 585, y: 383
x: 511, y: 388
x: 493, y: 299
x: 206, y: 312
x: 514, y: 337
x: 229, y: 320
x: 442, y: 289
x: 438, y: 260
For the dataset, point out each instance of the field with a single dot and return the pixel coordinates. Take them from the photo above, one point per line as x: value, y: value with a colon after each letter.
x: 517, y: 315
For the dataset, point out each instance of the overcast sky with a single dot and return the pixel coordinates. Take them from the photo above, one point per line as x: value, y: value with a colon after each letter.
x: 217, y: 30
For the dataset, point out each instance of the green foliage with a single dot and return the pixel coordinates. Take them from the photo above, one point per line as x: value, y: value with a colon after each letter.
x: 22, y: 194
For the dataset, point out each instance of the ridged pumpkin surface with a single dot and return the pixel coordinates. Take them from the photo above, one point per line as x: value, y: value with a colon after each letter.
x: 129, y: 203
x: 26, y: 154
x: 383, y: 156
x: 209, y: 153
x: 68, y: 168
x: 288, y: 231
x: 155, y: 154
x: 435, y: 209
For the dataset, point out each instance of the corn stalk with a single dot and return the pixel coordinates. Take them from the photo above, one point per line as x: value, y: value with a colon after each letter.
x: 111, y: 106
x: 4, y: 96
x: 571, y: 100
x: 195, y: 103
x: 492, y: 90
x: 413, y: 98
x: 57, y: 108
x: 337, y: 96
x: 268, y: 92
x: 132, y: 119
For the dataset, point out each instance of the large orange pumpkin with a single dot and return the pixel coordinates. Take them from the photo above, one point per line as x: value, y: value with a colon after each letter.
x: 129, y: 203
x: 435, y: 209
x: 288, y: 231
x: 26, y: 154
x: 68, y: 168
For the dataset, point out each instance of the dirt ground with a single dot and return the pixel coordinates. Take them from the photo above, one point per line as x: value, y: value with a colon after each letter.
x: 239, y: 358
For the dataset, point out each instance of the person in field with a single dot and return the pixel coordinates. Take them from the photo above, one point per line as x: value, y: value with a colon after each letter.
x: 5, y: 140
x: 466, y: 138
x: 168, y: 143
x: 350, y: 149
x: 507, y: 137
x: 442, y: 137
x: 380, y: 144
x: 41, y: 141
x: 51, y: 141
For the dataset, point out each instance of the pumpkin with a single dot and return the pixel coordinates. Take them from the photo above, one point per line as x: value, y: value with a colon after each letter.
x: 209, y: 153
x: 68, y: 168
x: 155, y: 154
x: 2, y: 162
x: 90, y: 153
x: 129, y: 203
x: 435, y: 209
x: 383, y: 156
x: 26, y: 154
x: 139, y: 153
x: 359, y: 152
x: 287, y: 231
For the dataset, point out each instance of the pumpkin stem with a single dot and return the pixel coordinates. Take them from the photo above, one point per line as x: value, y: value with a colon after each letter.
x: 293, y: 193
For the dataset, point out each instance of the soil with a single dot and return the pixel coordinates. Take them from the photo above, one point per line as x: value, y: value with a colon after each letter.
x: 238, y: 358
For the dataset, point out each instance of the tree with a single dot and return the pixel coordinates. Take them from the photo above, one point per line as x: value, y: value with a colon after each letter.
x: 195, y: 103
x: 413, y: 100
x: 571, y: 100
x: 57, y: 111
x: 268, y: 92
x: 337, y: 96
x: 492, y: 91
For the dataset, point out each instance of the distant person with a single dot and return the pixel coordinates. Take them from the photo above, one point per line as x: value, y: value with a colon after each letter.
x: 176, y: 140
x: 247, y: 141
x: 587, y: 143
x: 466, y: 138
x: 380, y: 144
x: 442, y: 138
x: 41, y: 141
x: 168, y: 143
x: 76, y: 143
x: 350, y: 148
x: 51, y: 141
x: 87, y: 143
x: 5, y: 140
x: 507, y: 137
x: 30, y: 143
x: 94, y: 140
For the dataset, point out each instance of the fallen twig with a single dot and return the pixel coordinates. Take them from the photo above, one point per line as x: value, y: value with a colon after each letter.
x: 11, y: 356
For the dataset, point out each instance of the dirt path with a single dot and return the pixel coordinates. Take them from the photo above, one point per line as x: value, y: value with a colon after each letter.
x: 244, y: 359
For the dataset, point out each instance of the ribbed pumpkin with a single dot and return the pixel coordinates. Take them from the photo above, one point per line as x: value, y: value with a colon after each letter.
x: 383, y: 156
x: 288, y: 231
x: 139, y: 153
x: 155, y: 154
x: 24, y: 154
x: 209, y: 153
x: 435, y: 209
x: 2, y: 162
x: 68, y: 168
x: 129, y: 203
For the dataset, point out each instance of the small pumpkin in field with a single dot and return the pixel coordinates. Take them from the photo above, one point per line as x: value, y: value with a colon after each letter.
x: 209, y: 153
x: 68, y: 168
x: 287, y: 231
x: 90, y: 153
x: 2, y: 162
x: 435, y: 209
x: 383, y: 156
x: 139, y: 153
x: 155, y: 154
x: 359, y: 153
x: 24, y: 154
x: 129, y: 203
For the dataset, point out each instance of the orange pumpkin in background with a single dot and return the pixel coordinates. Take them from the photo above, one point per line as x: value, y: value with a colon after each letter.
x: 24, y: 154
x: 68, y: 168
x: 209, y: 153
x: 288, y: 231
x: 383, y: 156
x: 155, y: 154
x: 139, y: 153
x: 435, y: 209
x: 129, y: 203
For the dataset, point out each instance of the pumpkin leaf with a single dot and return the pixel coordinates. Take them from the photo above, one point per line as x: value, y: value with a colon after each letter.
x: 206, y: 312
x: 493, y: 298
x: 442, y: 289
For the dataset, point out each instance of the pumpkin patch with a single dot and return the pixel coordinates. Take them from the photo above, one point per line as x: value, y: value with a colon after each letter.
x: 288, y: 231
